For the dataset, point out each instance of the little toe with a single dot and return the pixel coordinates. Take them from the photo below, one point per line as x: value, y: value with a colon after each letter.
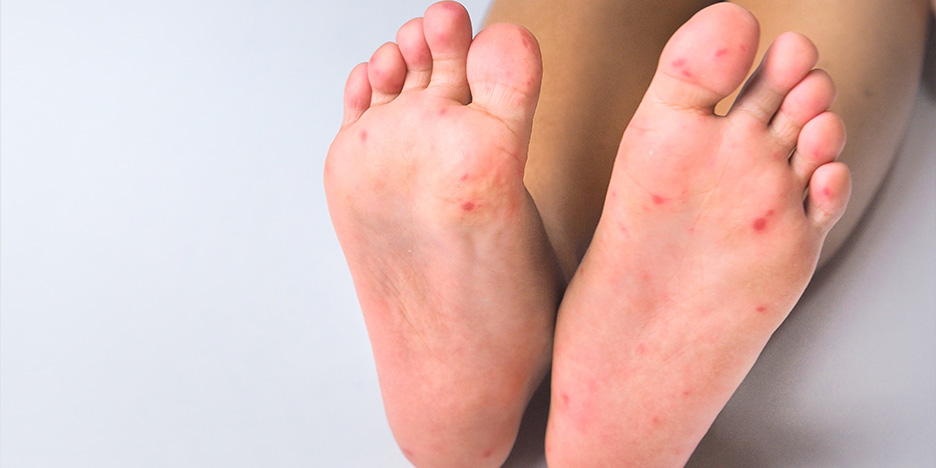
x: 820, y: 142
x: 707, y: 58
x: 412, y: 42
x: 386, y: 71
x: 787, y: 61
x: 829, y: 189
x: 811, y: 97
x: 448, y: 33
x: 357, y: 95
x: 504, y: 73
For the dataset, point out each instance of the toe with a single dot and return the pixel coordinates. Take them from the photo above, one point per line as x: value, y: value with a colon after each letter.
x: 504, y: 74
x: 448, y: 33
x: 386, y: 71
x: 357, y: 95
x: 829, y: 189
x: 811, y: 97
x: 788, y: 60
x: 707, y: 58
x: 412, y: 41
x: 820, y: 142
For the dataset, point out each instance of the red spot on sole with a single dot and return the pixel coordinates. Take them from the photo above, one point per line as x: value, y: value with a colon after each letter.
x: 679, y: 63
x: 488, y: 454
x: 442, y: 112
x: 721, y: 53
x: 641, y: 349
x: 463, y: 177
x: 761, y: 223
x: 658, y: 200
x: 761, y: 309
x: 468, y: 206
x: 363, y: 135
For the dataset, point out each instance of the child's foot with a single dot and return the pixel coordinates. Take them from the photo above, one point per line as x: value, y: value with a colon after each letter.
x: 455, y: 276
x: 704, y: 246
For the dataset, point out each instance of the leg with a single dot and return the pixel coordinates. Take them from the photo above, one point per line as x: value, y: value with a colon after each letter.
x: 598, y: 58
x: 455, y: 275
x: 704, y: 245
x: 874, y: 51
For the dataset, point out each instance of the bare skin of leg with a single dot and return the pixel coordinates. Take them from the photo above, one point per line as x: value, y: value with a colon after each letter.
x: 874, y: 52
x: 704, y: 245
x: 455, y: 275
x: 598, y: 58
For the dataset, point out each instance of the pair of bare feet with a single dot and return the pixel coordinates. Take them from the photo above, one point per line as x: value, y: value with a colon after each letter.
x: 704, y: 245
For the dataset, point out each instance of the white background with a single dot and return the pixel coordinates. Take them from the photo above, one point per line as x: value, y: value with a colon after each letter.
x: 173, y: 294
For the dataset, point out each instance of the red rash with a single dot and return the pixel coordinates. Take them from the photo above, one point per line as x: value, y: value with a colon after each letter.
x: 761, y: 223
x: 468, y: 206
x: 761, y: 309
x: 721, y: 53
x: 681, y: 65
x: 363, y: 135
x: 443, y: 112
x: 658, y: 199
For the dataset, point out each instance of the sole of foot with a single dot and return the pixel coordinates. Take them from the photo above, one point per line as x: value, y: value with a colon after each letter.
x: 711, y: 230
x: 455, y: 276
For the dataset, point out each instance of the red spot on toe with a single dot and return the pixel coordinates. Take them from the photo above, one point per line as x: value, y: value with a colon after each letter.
x: 443, y: 111
x: 827, y: 192
x: 488, y: 454
x: 408, y: 453
x: 641, y: 349
x: 686, y: 393
x: 762, y: 308
x: 363, y: 135
x: 679, y: 63
x: 658, y: 200
x: 463, y: 177
x: 565, y: 399
x: 468, y: 206
x: 721, y: 53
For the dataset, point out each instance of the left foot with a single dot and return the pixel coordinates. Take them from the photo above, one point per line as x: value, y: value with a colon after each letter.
x: 456, y: 278
x: 704, y: 245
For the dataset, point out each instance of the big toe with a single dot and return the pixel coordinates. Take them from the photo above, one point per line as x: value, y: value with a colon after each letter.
x: 504, y: 74
x: 707, y: 58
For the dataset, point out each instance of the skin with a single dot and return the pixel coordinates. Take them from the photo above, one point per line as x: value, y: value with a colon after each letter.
x: 704, y: 245
x: 453, y: 270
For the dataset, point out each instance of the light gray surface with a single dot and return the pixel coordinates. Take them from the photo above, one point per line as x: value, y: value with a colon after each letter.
x: 173, y: 295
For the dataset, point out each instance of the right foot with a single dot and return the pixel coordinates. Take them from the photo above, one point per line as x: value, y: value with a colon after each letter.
x: 704, y: 245
x: 453, y: 270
